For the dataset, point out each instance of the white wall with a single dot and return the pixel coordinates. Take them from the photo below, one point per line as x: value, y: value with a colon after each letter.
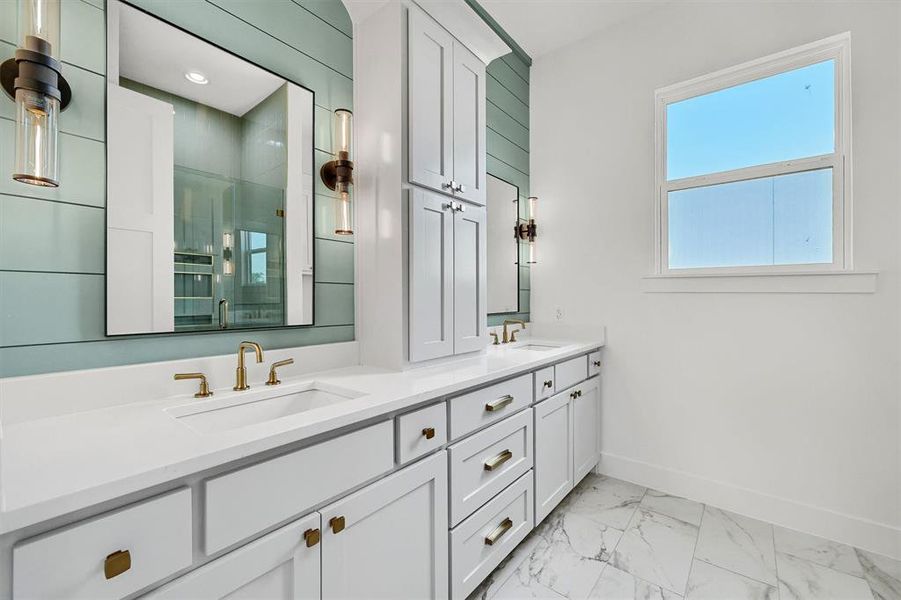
x: 780, y: 406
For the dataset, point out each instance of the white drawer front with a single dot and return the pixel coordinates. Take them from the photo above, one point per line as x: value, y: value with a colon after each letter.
x: 421, y: 431
x: 72, y: 563
x: 544, y: 383
x: 571, y: 372
x: 594, y: 363
x: 506, y: 447
x: 241, y: 503
x: 488, y: 405
x: 472, y: 557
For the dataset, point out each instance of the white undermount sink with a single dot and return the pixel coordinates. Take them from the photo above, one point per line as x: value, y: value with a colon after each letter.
x: 233, y: 412
x: 536, y: 347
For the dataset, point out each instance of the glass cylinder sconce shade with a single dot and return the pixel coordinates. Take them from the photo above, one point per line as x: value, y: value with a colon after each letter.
x: 40, y: 19
x: 37, y: 129
x: 33, y: 79
x: 338, y: 174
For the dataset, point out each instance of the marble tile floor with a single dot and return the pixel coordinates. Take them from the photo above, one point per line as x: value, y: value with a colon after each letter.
x: 610, y: 539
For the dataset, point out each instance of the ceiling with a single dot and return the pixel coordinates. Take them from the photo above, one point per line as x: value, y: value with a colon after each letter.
x: 156, y: 54
x: 542, y: 26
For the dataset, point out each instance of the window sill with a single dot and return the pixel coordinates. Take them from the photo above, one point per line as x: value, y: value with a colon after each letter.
x: 839, y: 282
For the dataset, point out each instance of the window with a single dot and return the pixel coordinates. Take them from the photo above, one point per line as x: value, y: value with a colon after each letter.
x: 753, y: 166
x: 255, y: 246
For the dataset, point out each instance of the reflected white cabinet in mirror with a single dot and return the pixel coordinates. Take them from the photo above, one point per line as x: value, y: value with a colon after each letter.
x: 209, y: 186
x: 503, y: 267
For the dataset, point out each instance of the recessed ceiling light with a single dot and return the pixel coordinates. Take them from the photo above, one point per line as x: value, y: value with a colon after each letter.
x: 195, y: 77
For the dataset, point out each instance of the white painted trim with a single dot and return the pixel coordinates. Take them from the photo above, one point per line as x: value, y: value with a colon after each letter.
x: 835, y: 48
x: 859, y: 532
x: 823, y: 282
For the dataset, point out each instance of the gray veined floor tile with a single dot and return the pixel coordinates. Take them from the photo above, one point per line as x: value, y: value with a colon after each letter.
x: 818, y: 550
x: 619, y: 585
x: 673, y: 506
x: 658, y: 549
x: 493, y: 583
x: 737, y: 543
x: 522, y: 584
x: 571, y: 554
x: 607, y: 500
x: 709, y: 582
x: 803, y: 580
x: 883, y: 575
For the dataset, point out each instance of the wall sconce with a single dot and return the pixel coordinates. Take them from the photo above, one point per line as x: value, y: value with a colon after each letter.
x: 33, y: 78
x: 338, y: 174
x: 529, y: 230
x: 228, y: 266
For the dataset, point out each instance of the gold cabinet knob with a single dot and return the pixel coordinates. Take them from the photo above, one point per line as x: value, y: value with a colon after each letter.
x: 596, y: 363
x: 428, y: 432
x: 549, y: 383
x: 117, y: 563
x: 337, y: 524
x: 312, y: 537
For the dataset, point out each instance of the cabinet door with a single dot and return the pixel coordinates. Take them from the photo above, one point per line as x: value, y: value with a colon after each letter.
x: 283, y: 565
x: 389, y: 540
x: 430, y: 98
x: 470, y: 290
x: 553, y: 453
x: 431, y: 275
x: 586, y: 414
x: 469, y: 125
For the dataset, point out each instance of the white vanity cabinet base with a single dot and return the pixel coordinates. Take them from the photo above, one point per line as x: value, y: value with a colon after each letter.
x: 278, y: 566
x: 586, y: 420
x: 471, y: 484
x: 394, y: 541
x: 472, y: 559
x: 70, y: 563
x: 553, y: 453
x: 244, y: 502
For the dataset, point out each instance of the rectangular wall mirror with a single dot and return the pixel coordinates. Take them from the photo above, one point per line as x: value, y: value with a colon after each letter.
x: 209, y: 185
x: 503, y: 247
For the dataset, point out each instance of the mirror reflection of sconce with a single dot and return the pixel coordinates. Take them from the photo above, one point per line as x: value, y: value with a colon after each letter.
x: 228, y: 265
x: 33, y: 79
x: 338, y: 174
x: 528, y: 231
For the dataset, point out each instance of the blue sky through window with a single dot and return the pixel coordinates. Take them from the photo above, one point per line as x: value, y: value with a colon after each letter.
x: 782, y: 117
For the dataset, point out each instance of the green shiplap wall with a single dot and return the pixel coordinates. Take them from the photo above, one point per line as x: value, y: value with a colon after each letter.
x: 508, y: 150
x: 52, y: 242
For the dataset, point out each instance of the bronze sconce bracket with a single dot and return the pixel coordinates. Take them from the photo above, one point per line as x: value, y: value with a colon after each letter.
x: 526, y: 231
x: 335, y: 173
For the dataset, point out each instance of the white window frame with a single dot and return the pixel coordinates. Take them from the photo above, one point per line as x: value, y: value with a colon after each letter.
x: 835, y: 48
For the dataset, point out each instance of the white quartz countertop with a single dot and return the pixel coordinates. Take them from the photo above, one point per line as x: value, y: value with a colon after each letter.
x: 55, y: 465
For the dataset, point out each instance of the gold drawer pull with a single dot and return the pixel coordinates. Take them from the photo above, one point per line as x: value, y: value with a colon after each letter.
x: 499, y: 403
x: 117, y: 563
x: 597, y: 363
x: 428, y: 432
x: 311, y: 536
x: 498, y: 532
x: 498, y: 460
x: 337, y: 524
x: 549, y: 383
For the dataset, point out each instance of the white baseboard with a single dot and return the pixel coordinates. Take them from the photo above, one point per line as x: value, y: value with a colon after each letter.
x: 862, y: 533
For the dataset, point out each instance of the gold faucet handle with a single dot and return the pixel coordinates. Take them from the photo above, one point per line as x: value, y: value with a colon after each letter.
x: 513, y: 335
x: 204, y: 387
x: 494, y: 335
x: 273, y: 376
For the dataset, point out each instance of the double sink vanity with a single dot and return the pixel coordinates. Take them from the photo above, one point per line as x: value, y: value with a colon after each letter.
x: 350, y: 482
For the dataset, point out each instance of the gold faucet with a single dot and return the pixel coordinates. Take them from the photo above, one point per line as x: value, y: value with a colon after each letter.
x: 241, y: 371
x: 512, y: 336
x: 204, y: 386
x: 273, y: 376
